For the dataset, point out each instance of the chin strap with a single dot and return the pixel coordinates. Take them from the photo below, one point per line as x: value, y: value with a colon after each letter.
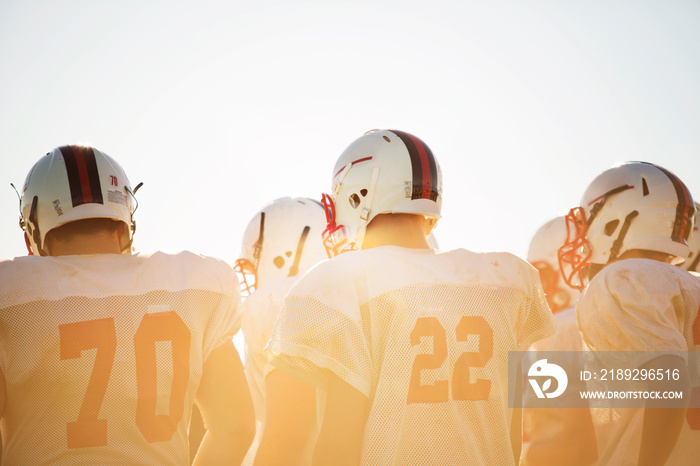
x: 366, y: 210
x: 259, y: 243
x: 294, y: 269
x: 617, y: 244
x: 132, y: 227
x: 33, y: 224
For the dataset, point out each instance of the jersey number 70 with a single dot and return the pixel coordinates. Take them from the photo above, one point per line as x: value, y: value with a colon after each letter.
x: 88, y: 430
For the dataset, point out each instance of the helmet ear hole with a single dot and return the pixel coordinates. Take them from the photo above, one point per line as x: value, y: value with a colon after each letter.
x: 363, y: 192
x: 354, y: 200
x: 645, y: 187
x: 611, y: 226
x: 279, y: 262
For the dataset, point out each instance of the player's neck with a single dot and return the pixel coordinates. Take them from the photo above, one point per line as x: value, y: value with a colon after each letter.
x: 646, y: 254
x: 404, y: 230
x: 85, y: 244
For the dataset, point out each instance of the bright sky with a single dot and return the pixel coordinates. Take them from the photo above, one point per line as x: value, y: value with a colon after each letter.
x: 221, y: 107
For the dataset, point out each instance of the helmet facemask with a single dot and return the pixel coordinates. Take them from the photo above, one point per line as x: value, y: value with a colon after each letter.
x: 246, y: 270
x: 557, y: 298
x: 339, y: 238
x: 335, y: 237
x: 575, y: 253
x: 247, y: 276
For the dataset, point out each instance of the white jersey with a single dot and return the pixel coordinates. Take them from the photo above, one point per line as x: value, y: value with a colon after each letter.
x: 540, y: 424
x: 260, y: 311
x: 566, y: 335
x: 102, y: 354
x: 641, y: 305
x: 425, y: 336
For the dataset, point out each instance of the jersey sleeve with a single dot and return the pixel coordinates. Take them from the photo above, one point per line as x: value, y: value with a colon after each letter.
x: 260, y: 312
x: 320, y: 330
x: 630, y: 306
x: 535, y: 320
x: 224, y: 319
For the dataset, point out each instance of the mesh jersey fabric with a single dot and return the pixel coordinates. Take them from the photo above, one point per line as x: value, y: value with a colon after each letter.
x: 566, y: 335
x: 540, y: 425
x: 425, y: 336
x: 102, y: 354
x: 260, y: 312
x: 641, y: 305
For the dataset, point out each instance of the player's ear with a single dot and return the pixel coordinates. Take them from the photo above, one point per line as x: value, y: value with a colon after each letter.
x: 29, y: 245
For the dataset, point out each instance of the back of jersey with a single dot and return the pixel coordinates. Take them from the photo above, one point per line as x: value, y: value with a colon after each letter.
x: 426, y: 338
x: 260, y: 311
x: 102, y: 355
x: 636, y: 310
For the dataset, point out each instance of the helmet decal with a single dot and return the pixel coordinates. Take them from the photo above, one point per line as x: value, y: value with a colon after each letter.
x: 83, y: 177
x: 599, y: 202
x: 684, y: 211
x: 345, y: 168
x: 425, y: 184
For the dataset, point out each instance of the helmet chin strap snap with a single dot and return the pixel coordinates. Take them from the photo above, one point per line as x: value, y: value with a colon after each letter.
x: 366, y: 210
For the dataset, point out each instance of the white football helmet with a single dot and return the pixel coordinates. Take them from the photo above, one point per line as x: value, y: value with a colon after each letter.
x: 282, y: 240
x: 383, y: 171
x: 75, y: 183
x: 543, y: 255
x: 633, y: 205
x: 692, y: 263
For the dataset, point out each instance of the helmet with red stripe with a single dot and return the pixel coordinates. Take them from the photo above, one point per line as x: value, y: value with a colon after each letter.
x: 282, y: 240
x: 75, y: 183
x: 631, y: 206
x: 383, y: 171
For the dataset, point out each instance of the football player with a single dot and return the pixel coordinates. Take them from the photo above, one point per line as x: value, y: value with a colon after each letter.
x: 557, y: 435
x: 281, y: 242
x: 409, y: 345
x: 633, y: 223
x: 104, y: 352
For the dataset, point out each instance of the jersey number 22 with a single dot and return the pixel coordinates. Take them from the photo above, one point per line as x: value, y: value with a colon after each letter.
x: 462, y: 388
